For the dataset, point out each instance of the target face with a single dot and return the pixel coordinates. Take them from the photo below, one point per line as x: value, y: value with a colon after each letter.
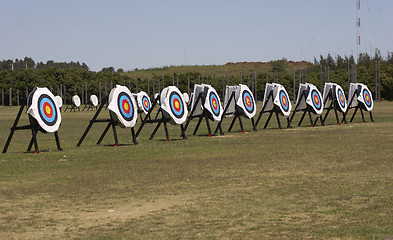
x: 284, y: 100
x: 125, y: 106
x: 316, y: 99
x: 42, y: 107
x: 341, y: 98
x: 214, y: 103
x: 247, y: 101
x: 47, y: 110
x: 367, y: 98
x: 176, y: 104
x: 145, y: 103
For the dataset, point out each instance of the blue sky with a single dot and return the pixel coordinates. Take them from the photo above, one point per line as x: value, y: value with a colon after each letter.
x: 145, y: 34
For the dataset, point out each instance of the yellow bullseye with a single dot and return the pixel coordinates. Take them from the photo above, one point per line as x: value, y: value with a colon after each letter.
x: 47, y: 110
x: 367, y: 98
x: 177, y: 105
x: 126, y: 106
x: 248, y: 101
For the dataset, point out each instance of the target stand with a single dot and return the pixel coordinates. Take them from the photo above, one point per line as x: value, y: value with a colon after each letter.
x: 360, y: 99
x: 76, y: 102
x: 49, y: 116
x: 163, y: 120
x: 112, y: 123
x: 269, y: 99
x: 333, y: 93
x: 236, y: 115
x: 205, y: 114
x: 93, y: 104
x: 308, y: 101
x: 122, y: 112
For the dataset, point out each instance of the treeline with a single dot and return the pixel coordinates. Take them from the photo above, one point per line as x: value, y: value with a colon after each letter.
x: 336, y: 69
x: 28, y: 63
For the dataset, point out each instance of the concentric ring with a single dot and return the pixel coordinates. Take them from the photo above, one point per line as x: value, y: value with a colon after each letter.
x: 214, y: 104
x: 176, y: 104
x: 126, y: 108
x: 47, y: 110
x: 316, y: 99
x: 145, y: 103
x: 284, y: 100
x: 367, y: 98
x: 247, y: 101
x: 341, y: 98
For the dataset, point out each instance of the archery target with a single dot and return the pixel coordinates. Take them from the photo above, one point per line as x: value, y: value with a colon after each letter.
x: 314, y: 99
x: 173, y: 105
x: 246, y: 101
x: 44, y: 110
x: 143, y: 101
x: 365, y: 97
x: 213, y: 104
x: 122, y: 106
x: 282, y: 100
x: 198, y: 89
x: 94, y: 100
x: 340, y: 97
x: 76, y: 100
x: 58, y: 101
x: 156, y: 95
x: 186, y: 98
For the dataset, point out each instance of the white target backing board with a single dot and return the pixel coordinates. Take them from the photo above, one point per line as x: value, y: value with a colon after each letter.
x: 122, y: 106
x: 301, y: 101
x: 198, y: 89
x: 173, y: 105
x: 268, y: 102
x: 352, y: 88
x: 42, y: 107
x: 365, y: 97
x: 76, y: 100
x: 213, y: 103
x: 143, y: 101
x: 314, y: 99
x: 326, y: 89
x: 232, y: 106
x: 58, y: 101
x: 94, y: 100
x: 281, y: 99
x: 186, y: 98
x: 155, y: 96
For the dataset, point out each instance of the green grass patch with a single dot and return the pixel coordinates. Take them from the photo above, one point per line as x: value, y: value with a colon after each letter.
x: 321, y: 183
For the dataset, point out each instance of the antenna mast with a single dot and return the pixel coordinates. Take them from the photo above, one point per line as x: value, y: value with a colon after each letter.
x: 358, y: 26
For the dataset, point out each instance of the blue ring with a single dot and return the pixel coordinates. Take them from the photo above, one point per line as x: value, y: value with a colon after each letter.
x: 251, y: 108
x: 282, y: 104
x: 179, y: 113
x: 128, y: 117
x: 43, y: 115
x: 214, y: 96
x: 339, y: 99
x: 143, y: 103
x: 317, y: 106
x: 369, y: 97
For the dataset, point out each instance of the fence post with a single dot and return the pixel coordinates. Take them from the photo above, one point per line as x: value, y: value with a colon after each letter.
x: 85, y: 92
x: 148, y: 87
x: 2, y: 97
x: 83, y: 99
x: 188, y: 84
x: 99, y: 91
x: 10, y: 102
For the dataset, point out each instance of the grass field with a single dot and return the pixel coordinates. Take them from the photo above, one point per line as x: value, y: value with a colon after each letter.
x: 331, y: 182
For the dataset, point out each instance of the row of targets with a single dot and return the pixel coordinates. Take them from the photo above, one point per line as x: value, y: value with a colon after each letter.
x: 44, y: 113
